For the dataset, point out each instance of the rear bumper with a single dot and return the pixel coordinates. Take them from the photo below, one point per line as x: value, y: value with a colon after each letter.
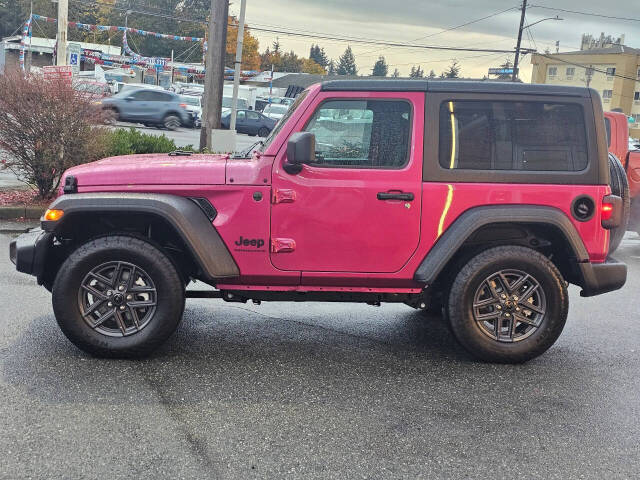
x: 602, y: 277
x: 28, y: 252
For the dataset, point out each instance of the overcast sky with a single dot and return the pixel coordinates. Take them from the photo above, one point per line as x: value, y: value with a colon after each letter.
x: 421, y: 21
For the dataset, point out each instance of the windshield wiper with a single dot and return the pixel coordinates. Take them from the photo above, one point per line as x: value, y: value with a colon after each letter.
x: 245, y: 153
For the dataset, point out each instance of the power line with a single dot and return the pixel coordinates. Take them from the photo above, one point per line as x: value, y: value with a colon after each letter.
x: 589, y: 14
x: 451, y: 28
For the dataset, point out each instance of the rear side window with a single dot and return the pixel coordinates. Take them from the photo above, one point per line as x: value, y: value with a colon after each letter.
x: 529, y: 136
x: 362, y: 133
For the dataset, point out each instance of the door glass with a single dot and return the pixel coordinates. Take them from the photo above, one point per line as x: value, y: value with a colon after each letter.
x: 241, y: 116
x: 253, y: 116
x: 362, y: 133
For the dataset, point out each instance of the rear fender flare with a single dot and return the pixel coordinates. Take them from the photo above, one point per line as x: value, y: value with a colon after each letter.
x: 472, y: 220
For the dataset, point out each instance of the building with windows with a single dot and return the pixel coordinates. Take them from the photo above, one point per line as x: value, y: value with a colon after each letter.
x: 613, y: 69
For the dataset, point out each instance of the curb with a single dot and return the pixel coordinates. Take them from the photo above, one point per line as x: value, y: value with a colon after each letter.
x: 15, y: 212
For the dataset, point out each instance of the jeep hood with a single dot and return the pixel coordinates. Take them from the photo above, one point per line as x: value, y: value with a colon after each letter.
x: 151, y: 169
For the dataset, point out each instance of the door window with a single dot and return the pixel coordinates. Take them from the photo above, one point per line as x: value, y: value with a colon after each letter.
x: 241, y: 116
x: 362, y: 133
x: 253, y: 115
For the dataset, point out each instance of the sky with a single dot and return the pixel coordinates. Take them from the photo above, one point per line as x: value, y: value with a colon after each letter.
x: 423, y: 22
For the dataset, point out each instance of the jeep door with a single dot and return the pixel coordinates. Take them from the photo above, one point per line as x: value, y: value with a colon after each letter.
x: 357, y: 208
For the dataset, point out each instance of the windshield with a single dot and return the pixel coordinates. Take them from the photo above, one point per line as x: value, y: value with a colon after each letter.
x: 274, y: 133
x: 190, y: 100
x: 276, y: 109
x: 242, y: 103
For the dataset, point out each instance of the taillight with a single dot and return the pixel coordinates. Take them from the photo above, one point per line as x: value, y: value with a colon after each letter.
x: 183, y: 105
x: 607, y: 211
x: 611, y: 211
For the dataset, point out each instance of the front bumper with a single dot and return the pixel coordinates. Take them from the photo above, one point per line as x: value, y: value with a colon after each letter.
x: 602, y: 277
x: 28, y: 252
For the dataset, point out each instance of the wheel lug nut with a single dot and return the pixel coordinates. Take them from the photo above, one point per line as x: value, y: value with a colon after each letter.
x: 110, y: 304
x: 498, y: 307
x: 517, y: 309
x: 507, y: 315
x: 503, y: 296
x: 515, y: 298
x: 121, y: 307
x: 121, y: 288
x: 109, y: 293
x: 129, y: 297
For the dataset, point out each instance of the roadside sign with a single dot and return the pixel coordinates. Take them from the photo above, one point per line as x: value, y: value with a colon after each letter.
x: 62, y: 72
x: 501, y: 71
x: 75, y: 52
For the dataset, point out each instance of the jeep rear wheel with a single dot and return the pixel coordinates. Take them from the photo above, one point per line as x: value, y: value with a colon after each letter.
x: 118, y: 296
x: 508, y: 305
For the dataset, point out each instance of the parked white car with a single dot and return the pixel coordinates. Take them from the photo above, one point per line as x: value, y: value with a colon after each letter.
x: 275, y: 111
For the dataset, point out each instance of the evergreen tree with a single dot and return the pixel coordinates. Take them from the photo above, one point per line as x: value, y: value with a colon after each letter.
x: 332, y: 68
x: 432, y: 74
x: 453, y: 71
x: 380, y: 69
x: 318, y: 55
x: 416, y: 72
x: 347, y: 63
x: 276, y: 47
x: 505, y: 76
x: 396, y: 73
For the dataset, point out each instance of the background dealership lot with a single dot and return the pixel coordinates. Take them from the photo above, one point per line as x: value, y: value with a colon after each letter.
x: 319, y: 391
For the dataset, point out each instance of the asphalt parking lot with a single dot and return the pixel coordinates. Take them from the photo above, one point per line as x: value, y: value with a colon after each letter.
x: 319, y: 391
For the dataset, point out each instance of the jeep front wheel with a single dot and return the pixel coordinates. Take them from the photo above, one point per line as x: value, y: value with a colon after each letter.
x: 508, y: 304
x: 118, y: 296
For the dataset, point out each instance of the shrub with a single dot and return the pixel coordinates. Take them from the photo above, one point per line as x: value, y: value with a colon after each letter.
x: 45, y: 128
x: 131, y: 141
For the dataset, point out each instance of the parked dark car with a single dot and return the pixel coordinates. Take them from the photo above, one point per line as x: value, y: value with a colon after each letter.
x: 150, y: 107
x: 250, y: 122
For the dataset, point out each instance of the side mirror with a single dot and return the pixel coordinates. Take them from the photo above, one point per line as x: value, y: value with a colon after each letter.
x: 301, y: 150
x: 129, y: 99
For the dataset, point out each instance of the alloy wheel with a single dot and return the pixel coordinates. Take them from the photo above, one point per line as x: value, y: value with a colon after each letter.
x: 117, y: 299
x: 509, y: 305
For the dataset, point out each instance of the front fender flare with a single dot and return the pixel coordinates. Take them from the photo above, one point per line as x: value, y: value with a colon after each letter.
x: 184, y: 215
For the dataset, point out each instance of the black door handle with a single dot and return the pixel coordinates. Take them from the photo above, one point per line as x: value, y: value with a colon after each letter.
x: 407, y: 197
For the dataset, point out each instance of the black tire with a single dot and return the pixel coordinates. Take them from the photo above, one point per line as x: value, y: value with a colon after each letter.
x: 532, y: 341
x: 171, y: 122
x: 620, y: 187
x: 263, y: 132
x: 161, y: 320
x: 110, y: 116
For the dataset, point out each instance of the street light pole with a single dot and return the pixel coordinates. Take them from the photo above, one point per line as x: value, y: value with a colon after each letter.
x: 514, y: 76
x: 214, y: 70
x: 238, y: 65
x: 63, y: 15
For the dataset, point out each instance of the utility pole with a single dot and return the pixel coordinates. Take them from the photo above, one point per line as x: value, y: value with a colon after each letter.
x: 63, y: 16
x: 30, y: 52
x: 214, y: 73
x: 238, y: 65
x: 514, y: 77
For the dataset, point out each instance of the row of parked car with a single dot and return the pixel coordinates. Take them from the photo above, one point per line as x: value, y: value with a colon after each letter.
x: 153, y: 106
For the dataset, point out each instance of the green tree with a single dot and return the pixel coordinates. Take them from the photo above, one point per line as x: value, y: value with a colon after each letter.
x: 416, y: 72
x: 396, y: 73
x: 347, y: 63
x: 318, y: 55
x: 432, y: 74
x: 380, y: 69
x: 453, y: 71
x: 331, y: 70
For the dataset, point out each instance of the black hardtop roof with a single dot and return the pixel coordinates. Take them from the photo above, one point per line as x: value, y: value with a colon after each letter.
x: 453, y: 86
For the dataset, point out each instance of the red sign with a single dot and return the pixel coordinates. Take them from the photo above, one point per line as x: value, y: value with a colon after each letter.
x: 62, y: 73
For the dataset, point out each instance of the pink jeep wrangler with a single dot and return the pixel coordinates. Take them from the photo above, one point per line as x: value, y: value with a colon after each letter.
x: 480, y: 199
